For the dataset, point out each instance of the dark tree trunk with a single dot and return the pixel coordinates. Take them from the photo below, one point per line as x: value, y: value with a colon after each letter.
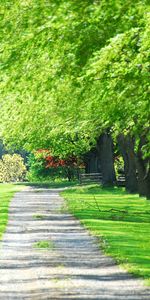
x: 92, y: 163
x: 126, y: 146
x: 143, y: 166
x: 78, y: 173
x: 69, y: 173
x: 87, y: 165
x: 105, y: 150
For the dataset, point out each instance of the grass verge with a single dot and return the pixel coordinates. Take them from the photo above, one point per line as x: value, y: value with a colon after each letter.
x: 52, y: 184
x: 7, y: 191
x: 120, y: 220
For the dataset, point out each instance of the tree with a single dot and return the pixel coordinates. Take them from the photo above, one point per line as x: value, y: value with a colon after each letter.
x: 73, y: 71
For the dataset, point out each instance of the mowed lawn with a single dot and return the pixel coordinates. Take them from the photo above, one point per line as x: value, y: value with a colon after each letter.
x: 7, y: 192
x: 120, y: 220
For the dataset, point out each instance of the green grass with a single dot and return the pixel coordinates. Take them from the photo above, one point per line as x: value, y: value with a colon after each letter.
x: 44, y: 245
x: 120, y: 220
x: 7, y: 191
x: 52, y: 184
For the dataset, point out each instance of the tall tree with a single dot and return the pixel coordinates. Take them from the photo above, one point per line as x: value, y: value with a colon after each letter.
x: 70, y: 70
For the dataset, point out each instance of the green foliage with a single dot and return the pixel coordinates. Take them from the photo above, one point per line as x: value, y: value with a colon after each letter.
x: 119, y: 220
x: 52, y: 55
x: 119, y: 165
x: 41, y: 171
x: 120, y: 71
x: 37, y: 169
x: 12, y: 168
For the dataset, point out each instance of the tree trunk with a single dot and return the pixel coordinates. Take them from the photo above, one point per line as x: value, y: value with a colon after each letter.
x: 126, y: 146
x: 87, y: 165
x: 69, y: 174
x: 92, y: 163
x: 105, y: 150
x: 143, y: 166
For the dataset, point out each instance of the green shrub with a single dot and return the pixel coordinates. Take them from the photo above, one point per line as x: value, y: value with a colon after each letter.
x: 44, y: 167
x: 12, y: 168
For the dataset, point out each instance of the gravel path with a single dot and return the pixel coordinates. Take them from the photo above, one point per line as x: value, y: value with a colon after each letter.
x: 72, y: 268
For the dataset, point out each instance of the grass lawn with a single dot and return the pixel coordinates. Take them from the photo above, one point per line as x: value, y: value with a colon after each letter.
x: 7, y: 191
x: 121, y: 221
x: 51, y: 184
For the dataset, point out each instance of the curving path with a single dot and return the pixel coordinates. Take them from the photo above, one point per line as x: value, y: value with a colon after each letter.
x: 72, y: 268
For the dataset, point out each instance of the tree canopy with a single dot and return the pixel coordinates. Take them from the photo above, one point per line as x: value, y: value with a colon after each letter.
x: 71, y: 70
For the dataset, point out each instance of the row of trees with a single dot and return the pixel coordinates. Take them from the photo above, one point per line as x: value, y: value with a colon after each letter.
x: 75, y: 77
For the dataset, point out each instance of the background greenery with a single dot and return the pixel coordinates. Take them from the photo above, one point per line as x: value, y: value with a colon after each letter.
x: 12, y: 168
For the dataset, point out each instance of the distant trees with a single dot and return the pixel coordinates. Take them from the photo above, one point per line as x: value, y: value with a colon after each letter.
x: 75, y: 76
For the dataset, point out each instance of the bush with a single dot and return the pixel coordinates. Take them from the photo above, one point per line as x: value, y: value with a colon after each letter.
x: 44, y: 167
x: 12, y: 168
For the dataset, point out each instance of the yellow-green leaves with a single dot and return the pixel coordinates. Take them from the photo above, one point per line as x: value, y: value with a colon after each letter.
x: 12, y: 168
x: 70, y: 70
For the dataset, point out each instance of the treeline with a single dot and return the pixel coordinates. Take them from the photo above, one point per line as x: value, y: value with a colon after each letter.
x: 75, y: 76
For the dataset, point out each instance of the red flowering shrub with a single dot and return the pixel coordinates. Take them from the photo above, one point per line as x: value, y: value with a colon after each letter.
x: 44, y: 164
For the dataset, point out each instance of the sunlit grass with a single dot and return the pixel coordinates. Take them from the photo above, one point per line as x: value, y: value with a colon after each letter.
x: 120, y: 220
x: 7, y: 192
x: 52, y: 184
